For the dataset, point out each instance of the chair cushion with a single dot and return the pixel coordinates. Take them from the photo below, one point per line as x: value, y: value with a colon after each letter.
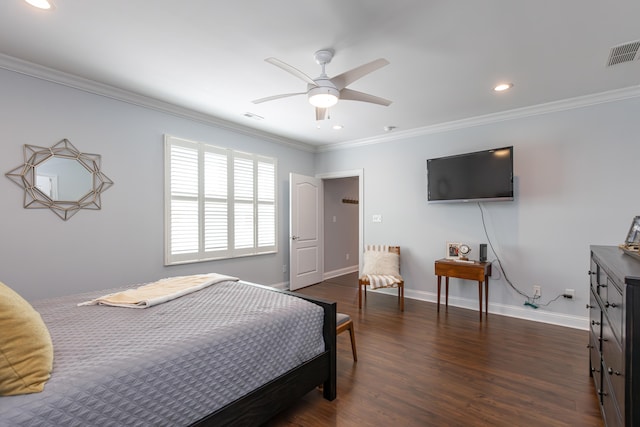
x: 342, y: 318
x: 26, y: 350
x: 381, y: 262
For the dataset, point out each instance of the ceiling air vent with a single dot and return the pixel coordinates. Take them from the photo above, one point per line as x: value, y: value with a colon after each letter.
x: 624, y: 53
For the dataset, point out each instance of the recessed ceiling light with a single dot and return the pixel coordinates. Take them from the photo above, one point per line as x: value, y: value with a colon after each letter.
x: 389, y: 128
x: 41, y: 4
x: 337, y: 127
x: 503, y: 86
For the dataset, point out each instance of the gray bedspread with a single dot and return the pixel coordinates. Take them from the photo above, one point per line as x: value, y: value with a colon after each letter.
x: 168, y: 365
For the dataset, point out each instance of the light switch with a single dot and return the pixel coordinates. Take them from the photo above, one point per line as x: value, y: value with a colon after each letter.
x: 377, y: 218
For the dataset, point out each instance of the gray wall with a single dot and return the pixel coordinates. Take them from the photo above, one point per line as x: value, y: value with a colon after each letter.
x: 122, y: 244
x: 576, y: 175
x: 341, y: 253
x: 576, y: 185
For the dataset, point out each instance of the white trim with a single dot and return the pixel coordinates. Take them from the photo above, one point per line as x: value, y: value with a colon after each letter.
x: 533, y: 110
x: 283, y: 286
x: 349, y: 174
x: 339, y: 272
x: 16, y: 65
x: 536, y: 315
x: 30, y: 69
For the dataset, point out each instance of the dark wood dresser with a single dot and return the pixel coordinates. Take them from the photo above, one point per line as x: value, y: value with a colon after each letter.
x: 614, y: 341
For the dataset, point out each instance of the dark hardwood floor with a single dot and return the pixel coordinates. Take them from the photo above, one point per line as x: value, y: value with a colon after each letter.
x: 419, y: 368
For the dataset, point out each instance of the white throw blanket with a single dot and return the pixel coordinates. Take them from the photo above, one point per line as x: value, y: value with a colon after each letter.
x: 161, y: 291
x: 382, y: 281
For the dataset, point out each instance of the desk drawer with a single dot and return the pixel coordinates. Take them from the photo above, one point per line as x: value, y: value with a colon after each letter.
x: 461, y: 270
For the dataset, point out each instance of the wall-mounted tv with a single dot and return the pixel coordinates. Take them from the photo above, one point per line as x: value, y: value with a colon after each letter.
x: 481, y: 176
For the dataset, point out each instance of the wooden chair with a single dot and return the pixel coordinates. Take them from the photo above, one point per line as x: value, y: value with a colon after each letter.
x: 363, y: 281
x: 344, y: 322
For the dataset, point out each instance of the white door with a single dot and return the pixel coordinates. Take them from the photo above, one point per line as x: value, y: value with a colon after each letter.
x: 306, y: 246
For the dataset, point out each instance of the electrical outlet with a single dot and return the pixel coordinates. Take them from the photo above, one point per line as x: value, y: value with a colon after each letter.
x: 284, y: 268
x: 569, y: 293
x: 347, y: 257
x: 537, y: 292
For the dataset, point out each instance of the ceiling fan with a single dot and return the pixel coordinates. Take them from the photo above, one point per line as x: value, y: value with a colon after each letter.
x: 323, y: 92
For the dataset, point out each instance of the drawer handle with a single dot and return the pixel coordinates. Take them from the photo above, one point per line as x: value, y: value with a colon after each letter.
x: 613, y: 305
x: 611, y: 372
x: 590, y: 306
x: 593, y: 322
x: 589, y: 346
x: 591, y: 273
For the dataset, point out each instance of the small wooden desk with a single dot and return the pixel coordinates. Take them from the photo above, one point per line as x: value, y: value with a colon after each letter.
x: 478, y: 271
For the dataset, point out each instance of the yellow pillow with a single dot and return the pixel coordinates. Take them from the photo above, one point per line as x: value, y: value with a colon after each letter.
x: 26, y: 350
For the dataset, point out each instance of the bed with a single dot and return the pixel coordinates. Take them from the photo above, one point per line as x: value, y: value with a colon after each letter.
x: 235, y: 353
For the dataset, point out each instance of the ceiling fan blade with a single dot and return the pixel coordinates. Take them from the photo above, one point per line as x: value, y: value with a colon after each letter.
x: 322, y: 113
x: 354, y: 95
x: 273, y: 97
x: 343, y: 80
x: 288, y: 68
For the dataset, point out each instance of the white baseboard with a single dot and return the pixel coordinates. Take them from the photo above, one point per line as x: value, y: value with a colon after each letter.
x: 340, y: 272
x: 536, y: 315
x: 326, y: 276
x: 283, y: 286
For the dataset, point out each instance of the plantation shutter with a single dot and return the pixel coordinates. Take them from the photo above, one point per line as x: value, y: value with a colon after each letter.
x: 219, y: 203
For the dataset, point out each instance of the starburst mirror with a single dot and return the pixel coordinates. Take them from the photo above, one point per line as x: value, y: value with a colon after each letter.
x: 60, y: 178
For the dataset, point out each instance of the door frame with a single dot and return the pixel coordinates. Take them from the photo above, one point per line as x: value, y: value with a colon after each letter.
x: 359, y: 173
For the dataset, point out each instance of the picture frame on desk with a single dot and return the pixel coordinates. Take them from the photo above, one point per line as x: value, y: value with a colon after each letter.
x: 452, y: 250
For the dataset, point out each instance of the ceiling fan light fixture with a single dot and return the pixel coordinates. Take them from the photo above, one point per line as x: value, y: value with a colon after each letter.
x: 41, y: 4
x: 323, y: 97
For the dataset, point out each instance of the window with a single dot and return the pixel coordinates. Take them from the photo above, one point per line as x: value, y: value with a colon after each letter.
x: 219, y: 203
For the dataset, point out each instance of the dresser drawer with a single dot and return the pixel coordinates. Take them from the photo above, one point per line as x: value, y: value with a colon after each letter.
x: 593, y: 274
x: 595, y: 361
x: 602, y: 283
x: 614, y: 309
x: 612, y: 416
x: 595, y: 315
x: 613, y: 369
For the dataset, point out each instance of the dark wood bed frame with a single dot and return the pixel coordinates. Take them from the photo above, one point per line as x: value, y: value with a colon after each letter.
x: 263, y: 403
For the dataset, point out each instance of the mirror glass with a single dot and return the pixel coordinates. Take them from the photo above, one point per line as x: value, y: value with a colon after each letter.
x: 63, y: 179
x: 60, y: 178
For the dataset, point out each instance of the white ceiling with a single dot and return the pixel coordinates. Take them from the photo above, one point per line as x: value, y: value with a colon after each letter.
x: 445, y: 56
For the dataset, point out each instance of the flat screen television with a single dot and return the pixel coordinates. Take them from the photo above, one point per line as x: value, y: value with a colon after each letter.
x: 481, y: 176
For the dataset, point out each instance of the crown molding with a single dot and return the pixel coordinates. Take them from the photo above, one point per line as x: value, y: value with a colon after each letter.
x: 534, y: 110
x: 30, y: 69
x: 54, y: 76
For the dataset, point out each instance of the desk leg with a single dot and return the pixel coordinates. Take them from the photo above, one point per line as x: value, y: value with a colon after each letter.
x: 486, y: 294
x: 446, y: 296
x: 480, y: 298
x: 439, y: 283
